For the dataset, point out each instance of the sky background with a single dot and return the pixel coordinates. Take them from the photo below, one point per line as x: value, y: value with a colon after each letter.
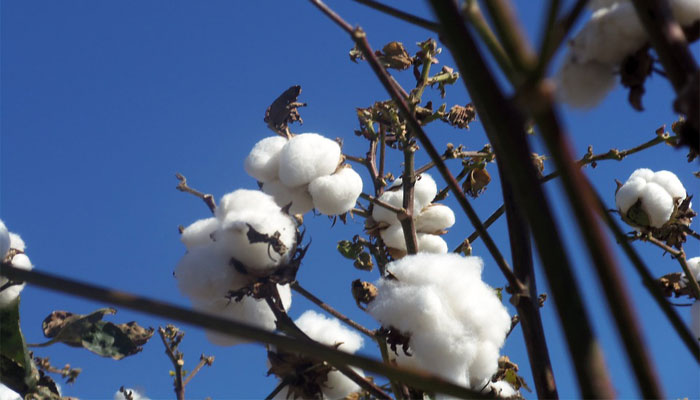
x: 102, y: 102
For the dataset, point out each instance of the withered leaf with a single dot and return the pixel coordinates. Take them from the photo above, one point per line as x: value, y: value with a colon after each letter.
x: 284, y: 110
x: 395, y: 56
x: 92, y: 333
x: 460, y: 117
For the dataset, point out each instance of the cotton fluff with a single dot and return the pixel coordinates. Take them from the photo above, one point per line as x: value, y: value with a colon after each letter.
x: 455, y: 321
x: 596, y: 52
x: 503, y: 389
x: 393, y: 237
x: 249, y: 310
x: 135, y: 395
x: 199, y: 232
x: 658, y: 194
x: 299, y: 197
x: 424, y: 191
x: 8, y: 394
x: 264, y: 159
x: 19, y: 260
x: 4, y: 240
x: 336, y: 194
x: 694, y: 267
x: 330, y: 332
x: 434, y: 218
x: 306, y: 157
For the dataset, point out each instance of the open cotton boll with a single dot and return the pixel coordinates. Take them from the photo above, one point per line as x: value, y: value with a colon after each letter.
x: 629, y: 193
x: 670, y: 182
x: 641, y: 173
x: 258, y: 256
x: 204, y: 273
x: 298, y: 197
x: 336, y: 194
x: 16, y: 242
x: 424, y: 191
x: 429, y: 243
x: 249, y: 310
x: 448, y: 311
x: 307, y: 156
x: 381, y: 214
x: 657, y: 204
x: 329, y: 331
x: 658, y: 192
x: 199, y: 232
x: 584, y: 85
x: 135, y: 395
x: 4, y: 240
x: 435, y: 218
x: 393, y: 237
x: 244, y: 199
x: 264, y: 159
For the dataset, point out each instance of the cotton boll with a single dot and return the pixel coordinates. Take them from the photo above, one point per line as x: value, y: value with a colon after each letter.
x: 629, y: 194
x: 8, y: 394
x: 393, y: 237
x: 329, y: 331
x: 657, y: 204
x: 435, y: 218
x: 381, y: 214
x: 642, y: 173
x: 4, y: 240
x: 135, y: 395
x: 204, y: 273
x: 425, y: 190
x: 199, y: 232
x: 338, y: 386
x: 244, y: 199
x: 260, y: 256
x: 670, y: 182
x: 263, y: 161
x: 584, y: 85
x: 428, y: 243
x: 485, y: 364
x: 306, y: 157
x: 299, y: 198
x: 16, y: 242
x: 336, y: 194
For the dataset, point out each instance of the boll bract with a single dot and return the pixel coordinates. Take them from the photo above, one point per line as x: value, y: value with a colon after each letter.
x: 330, y: 332
x: 306, y: 157
x: 596, y: 52
x: 249, y: 237
x: 455, y: 321
x: 9, y: 240
x: 648, y: 199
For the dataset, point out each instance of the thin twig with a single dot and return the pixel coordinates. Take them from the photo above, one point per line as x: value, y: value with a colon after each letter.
x: 203, y: 360
x: 177, y: 364
x: 311, y: 297
x: 679, y: 255
x: 402, y: 15
x: 207, y: 198
x: 421, y: 380
x: 381, y: 203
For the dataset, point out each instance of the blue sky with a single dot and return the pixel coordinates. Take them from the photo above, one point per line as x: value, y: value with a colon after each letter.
x: 103, y: 102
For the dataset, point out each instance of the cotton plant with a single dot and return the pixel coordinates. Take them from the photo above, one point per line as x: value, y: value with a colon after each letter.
x: 453, y: 322
x: 613, y: 33
x: 12, y: 250
x: 249, y: 237
x: 304, y: 172
x: 332, y: 384
x: 431, y: 219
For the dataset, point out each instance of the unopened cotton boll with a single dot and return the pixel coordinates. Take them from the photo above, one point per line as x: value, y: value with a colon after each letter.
x: 455, y: 321
x: 336, y: 194
x: 435, y: 218
x: 657, y: 194
x: 264, y: 159
x: 4, y: 240
x: 244, y: 199
x: 307, y: 156
x: 199, y: 232
x: 258, y: 256
x: 249, y: 310
x: 299, y: 198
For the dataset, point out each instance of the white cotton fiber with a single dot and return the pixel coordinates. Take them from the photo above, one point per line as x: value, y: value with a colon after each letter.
x: 425, y: 190
x: 393, y: 237
x: 695, y: 319
x: 435, y: 218
x: 8, y: 394
x: 16, y: 242
x: 336, y: 194
x: 135, y: 395
x: 393, y: 198
x: 4, y: 240
x: 263, y: 161
x: 659, y: 193
x: 450, y: 314
x: 299, y: 197
x: 694, y: 267
x: 205, y: 273
x: 429, y: 243
x: 248, y: 310
x: 584, y: 85
x: 258, y: 257
x: 329, y: 331
x: 244, y: 199
x: 199, y: 232
x: 11, y: 293
x: 503, y: 389
x: 306, y: 157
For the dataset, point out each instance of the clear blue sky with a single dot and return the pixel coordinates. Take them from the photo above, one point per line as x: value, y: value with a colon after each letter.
x: 104, y: 101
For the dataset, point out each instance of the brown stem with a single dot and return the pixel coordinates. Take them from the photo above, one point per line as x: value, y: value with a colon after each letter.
x: 381, y: 203
x: 512, y: 37
x: 422, y: 380
x: 554, y: 37
x: 679, y: 255
x: 177, y: 364
x: 402, y: 15
x: 310, y: 296
x: 409, y: 182
x: 207, y: 198
x: 203, y: 360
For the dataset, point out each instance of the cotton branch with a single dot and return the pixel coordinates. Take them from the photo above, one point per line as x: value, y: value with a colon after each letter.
x: 679, y: 255
x: 402, y: 15
x: 207, y: 198
x: 171, y: 339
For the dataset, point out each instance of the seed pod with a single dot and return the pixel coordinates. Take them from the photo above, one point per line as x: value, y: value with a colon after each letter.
x: 476, y: 182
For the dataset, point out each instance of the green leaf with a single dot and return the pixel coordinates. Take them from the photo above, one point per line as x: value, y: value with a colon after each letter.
x: 92, y: 333
x: 16, y: 366
x: 349, y: 249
